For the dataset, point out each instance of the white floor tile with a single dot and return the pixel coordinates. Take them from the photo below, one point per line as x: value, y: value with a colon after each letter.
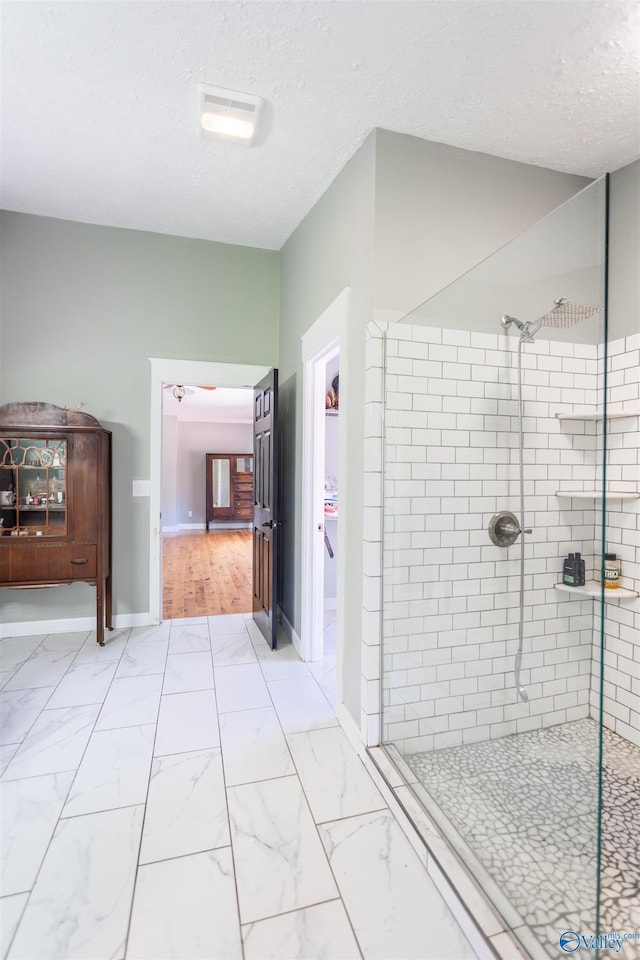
x: 19, y: 710
x: 187, y: 672
x: 131, y: 702
x: 7, y: 751
x: 324, y: 673
x: 112, y: 639
x: 100, y: 778
x: 43, y: 669
x: 10, y: 912
x: 322, y: 931
x: 114, y: 771
x: 84, y: 683
x: 394, y: 906
x: 241, y: 688
x: 189, y: 637
x: 301, y: 705
x: 187, y: 722
x: 281, y: 664
x: 72, y: 640
x: 280, y: 864
x: 115, y: 642
x: 30, y: 810
x: 5, y: 676
x: 55, y: 742
x: 227, y: 623
x: 186, y: 908
x: 334, y: 778
x: 186, y: 809
x: 253, y: 746
x: 15, y: 650
x: 80, y: 904
x: 233, y: 648
x: 156, y: 633
x: 142, y: 659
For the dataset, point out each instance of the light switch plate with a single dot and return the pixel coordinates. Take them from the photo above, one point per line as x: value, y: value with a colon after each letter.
x: 140, y: 488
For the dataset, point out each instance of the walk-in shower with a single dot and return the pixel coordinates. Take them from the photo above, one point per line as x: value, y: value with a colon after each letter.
x: 510, y: 699
x: 563, y: 314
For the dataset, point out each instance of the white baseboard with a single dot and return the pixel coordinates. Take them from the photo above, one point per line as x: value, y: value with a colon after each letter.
x: 290, y: 633
x: 349, y: 726
x: 177, y: 527
x: 31, y: 628
x: 229, y: 525
x: 213, y: 525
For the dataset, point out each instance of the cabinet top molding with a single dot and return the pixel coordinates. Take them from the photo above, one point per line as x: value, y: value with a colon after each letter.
x: 35, y: 414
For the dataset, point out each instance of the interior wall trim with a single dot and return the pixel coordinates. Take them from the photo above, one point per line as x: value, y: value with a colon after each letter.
x: 30, y: 628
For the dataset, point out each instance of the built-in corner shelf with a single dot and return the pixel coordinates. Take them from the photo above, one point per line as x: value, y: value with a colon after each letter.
x: 596, y: 415
x: 594, y: 589
x: 598, y: 494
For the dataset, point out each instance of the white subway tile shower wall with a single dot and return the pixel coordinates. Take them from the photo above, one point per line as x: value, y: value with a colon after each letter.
x: 450, y: 597
x: 621, y: 694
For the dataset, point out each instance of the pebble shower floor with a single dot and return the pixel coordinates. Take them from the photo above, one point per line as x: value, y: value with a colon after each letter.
x: 527, y: 805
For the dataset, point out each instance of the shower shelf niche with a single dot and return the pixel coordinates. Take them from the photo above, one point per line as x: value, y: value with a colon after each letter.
x: 593, y: 588
x: 596, y: 415
x: 598, y: 494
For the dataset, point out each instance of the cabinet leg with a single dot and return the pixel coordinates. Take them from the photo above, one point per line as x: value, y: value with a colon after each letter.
x: 108, y: 605
x: 99, y: 615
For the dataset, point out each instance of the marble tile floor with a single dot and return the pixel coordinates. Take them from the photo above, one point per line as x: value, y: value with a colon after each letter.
x: 186, y: 792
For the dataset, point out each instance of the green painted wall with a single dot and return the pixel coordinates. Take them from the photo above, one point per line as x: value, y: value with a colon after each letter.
x: 624, y: 252
x: 330, y: 250
x: 82, y: 308
x: 441, y: 210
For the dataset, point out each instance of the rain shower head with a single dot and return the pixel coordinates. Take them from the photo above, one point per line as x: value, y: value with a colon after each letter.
x: 563, y: 314
x: 567, y: 314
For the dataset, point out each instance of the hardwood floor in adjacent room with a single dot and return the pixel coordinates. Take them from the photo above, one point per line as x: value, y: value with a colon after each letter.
x: 206, y: 574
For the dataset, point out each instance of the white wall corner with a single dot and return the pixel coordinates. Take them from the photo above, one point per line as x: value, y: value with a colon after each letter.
x: 373, y: 352
x: 370, y: 729
x: 289, y: 632
x: 373, y: 422
x: 349, y: 726
x: 373, y: 385
x: 370, y: 693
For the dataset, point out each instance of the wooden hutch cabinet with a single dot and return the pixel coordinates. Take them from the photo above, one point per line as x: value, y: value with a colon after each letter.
x: 55, y: 501
x: 229, y: 487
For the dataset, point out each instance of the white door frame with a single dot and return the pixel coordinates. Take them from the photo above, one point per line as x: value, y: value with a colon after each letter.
x: 179, y: 371
x: 324, y: 338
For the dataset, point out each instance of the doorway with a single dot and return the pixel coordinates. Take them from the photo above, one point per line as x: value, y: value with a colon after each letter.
x: 206, y: 501
x: 164, y: 371
x: 324, y: 476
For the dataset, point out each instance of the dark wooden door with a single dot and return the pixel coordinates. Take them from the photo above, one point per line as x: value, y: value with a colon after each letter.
x: 265, y: 500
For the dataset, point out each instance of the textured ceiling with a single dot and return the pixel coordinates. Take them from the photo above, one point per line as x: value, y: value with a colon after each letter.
x: 98, y: 99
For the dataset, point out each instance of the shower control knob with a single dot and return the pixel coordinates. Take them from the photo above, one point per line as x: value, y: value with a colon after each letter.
x: 504, y: 528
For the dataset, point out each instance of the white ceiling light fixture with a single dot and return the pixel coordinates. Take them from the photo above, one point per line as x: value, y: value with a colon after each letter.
x: 227, y: 114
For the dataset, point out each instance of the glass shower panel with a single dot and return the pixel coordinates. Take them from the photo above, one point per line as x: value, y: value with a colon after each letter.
x: 490, y: 675
x: 616, y: 655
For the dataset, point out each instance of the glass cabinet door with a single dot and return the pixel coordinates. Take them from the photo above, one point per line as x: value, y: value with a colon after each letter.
x: 33, y: 487
x: 220, y: 483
